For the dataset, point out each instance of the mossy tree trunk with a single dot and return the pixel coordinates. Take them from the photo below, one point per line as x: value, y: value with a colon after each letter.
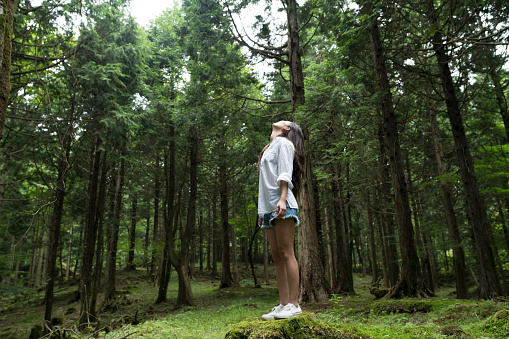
x: 6, y: 22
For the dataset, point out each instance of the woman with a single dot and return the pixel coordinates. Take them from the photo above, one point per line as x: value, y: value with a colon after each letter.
x: 280, y: 168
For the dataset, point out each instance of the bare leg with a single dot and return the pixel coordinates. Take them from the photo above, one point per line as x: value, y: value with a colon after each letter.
x: 285, y: 234
x: 287, y: 270
x: 282, y: 282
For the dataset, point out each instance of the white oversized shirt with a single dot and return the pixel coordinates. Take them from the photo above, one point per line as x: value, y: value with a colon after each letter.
x: 276, y: 165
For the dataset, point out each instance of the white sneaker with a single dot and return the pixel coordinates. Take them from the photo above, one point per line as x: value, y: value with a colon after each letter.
x: 275, y: 310
x: 288, y: 311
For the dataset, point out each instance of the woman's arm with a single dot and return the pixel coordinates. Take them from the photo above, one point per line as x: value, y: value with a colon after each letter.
x: 281, y: 204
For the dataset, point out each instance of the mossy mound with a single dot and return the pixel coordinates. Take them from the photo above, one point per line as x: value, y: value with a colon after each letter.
x: 401, y: 306
x: 304, y: 326
x: 497, y: 326
x: 461, y: 313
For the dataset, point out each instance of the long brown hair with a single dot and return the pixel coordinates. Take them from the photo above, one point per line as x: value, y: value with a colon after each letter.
x: 295, y: 135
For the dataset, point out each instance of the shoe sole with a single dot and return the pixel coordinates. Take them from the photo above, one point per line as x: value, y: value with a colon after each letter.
x: 291, y: 316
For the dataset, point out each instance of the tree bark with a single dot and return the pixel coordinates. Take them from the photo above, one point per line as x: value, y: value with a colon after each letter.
x: 371, y: 240
x: 265, y: 259
x: 421, y: 248
x: 313, y: 284
x: 450, y: 216
x: 3, y: 181
x: 226, y: 275
x: 185, y: 293
x: 342, y: 266
x: 131, y: 266
x: 6, y: 27
x: 54, y: 231
x: 385, y: 216
x: 99, y: 251
x: 156, y: 243
x: 489, y: 284
x: 201, y: 240
x: 250, y: 252
x: 330, y: 267
x: 215, y: 247
x: 297, y: 96
x: 85, y: 285
x: 111, y: 263
x: 410, y: 282
x: 169, y: 214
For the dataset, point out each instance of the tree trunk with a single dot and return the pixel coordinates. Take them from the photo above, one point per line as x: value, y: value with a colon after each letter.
x: 54, y: 231
x: 69, y: 249
x: 40, y: 258
x: 342, y: 267
x: 422, y: 250
x: 296, y: 75
x: 185, y: 293
x: 215, y: 249
x: 3, y: 181
x: 383, y: 247
x: 410, y: 282
x: 319, y: 225
x: 386, y: 220
x: 504, y: 227
x: 313, y: 284
x: 99, y: 251
x: 156, y: 243
x: 330, y: 249
x: 6, y: 24
x: 111, y: 263
x: 265, y: 259
x: 450, y: 216
x: 169, y: 214
x: 489, y: 284
x: 85, y: 284
x: 371, y: 240
x: 226, y: 275
x: 131, y: 266
x: 201, y: 240
x: 250, y: 252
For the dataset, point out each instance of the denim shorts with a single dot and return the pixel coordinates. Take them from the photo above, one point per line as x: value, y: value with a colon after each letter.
x: 269, y: 219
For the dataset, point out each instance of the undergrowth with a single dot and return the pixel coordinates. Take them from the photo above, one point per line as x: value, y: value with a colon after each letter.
x: 238, y: 310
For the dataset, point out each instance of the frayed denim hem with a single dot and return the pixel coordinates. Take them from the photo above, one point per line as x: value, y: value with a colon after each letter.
x: 272, y: 221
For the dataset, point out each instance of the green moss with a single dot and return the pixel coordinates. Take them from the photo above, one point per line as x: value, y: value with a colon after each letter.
x: 304, y: 326
x: 401, y: 306
x: 497, y: 326
x: 30, y: 318
x: 463, y: 312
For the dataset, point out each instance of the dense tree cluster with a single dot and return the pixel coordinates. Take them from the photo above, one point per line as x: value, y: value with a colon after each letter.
x: 127, y: 147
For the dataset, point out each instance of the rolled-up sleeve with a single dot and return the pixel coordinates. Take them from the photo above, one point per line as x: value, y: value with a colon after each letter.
x: 285, y: 163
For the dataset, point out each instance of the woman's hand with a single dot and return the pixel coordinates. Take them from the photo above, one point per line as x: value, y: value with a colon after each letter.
x: 260, y: 222
x: 281, y: 208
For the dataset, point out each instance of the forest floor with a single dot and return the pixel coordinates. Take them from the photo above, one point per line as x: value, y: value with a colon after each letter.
x: 217, y: 310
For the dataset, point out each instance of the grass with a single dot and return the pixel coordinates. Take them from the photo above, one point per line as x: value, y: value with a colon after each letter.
x: 219, y: 310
